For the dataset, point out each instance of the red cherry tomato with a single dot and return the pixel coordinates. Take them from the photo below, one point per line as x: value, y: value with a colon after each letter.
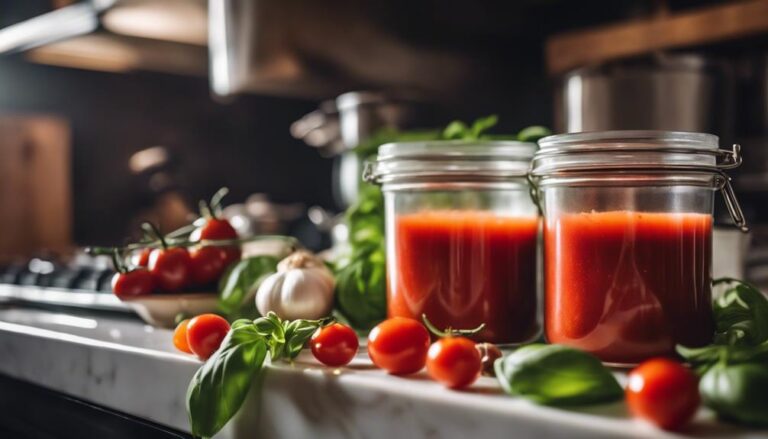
x: 334, y: 345
x: 663, y: 392
x: 205, y: 333
x: 171, y: 268
x: 219, y: 229
x: 454, y: 361
x: 206, y: 265
x: 133, y: 283
x: 399, y: 345
x: 214, y: 229
x: 180, y: 337
x: 142, y: 257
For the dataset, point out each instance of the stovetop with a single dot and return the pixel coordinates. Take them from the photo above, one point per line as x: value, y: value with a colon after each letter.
x: 82, y: 282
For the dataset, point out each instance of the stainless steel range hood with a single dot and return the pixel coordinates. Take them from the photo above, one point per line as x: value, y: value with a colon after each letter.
x: 116, y: 35
x: 302, y: 48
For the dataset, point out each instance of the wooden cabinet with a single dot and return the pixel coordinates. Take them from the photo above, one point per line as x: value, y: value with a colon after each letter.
x: 35, y: 185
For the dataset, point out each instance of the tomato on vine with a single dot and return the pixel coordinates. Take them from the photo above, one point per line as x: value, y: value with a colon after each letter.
x: 207, y: 264
x: 215, y: 228
x: 453, y: 360
x: 171, y: 266
x: 130, y: 283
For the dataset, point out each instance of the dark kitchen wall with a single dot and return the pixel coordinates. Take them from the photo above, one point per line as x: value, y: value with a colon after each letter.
x: 244, y: 144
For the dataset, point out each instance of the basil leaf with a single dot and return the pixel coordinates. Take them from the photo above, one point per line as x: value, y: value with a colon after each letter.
x: 220, y: 386
x: 298, y: 337
x: 702, y: 359
x: 361, y: 288
x: 533, y: 133
x: 557, y: 375
x: 737, y: 393
x: 240, y: 281
x: 458, y: 130
x: 741, y: 315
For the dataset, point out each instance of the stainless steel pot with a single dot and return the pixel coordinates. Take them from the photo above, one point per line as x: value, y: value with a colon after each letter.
x: 339, y: 126
x: 663, y: 92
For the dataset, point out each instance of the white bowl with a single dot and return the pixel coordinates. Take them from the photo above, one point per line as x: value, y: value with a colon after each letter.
x: 162, y: 309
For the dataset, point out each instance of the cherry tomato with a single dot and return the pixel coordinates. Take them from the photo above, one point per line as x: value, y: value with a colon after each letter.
x: 334, y: 345
x: 171, y: 268
x: 663, y: 392
x: 206, y: 265
x: 180, y: 337
x: 205, y: 333
x: 454, y: 361
x: 399, y: 345
x: 215, y: 229
x: 142, y: 257
x: 219, y: 229
x: 133, y: 283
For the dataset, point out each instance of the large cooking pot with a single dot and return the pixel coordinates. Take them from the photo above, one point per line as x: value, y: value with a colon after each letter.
x: 662, y: 92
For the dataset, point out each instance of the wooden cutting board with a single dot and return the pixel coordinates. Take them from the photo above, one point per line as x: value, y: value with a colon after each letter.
x: 35, y: 185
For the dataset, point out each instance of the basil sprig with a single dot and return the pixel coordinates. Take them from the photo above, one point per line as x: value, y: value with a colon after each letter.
x: 734, y: 368
x: 557, y: 375
x: 220, y: 386
x: 741, y: 328
x: 741, y: 314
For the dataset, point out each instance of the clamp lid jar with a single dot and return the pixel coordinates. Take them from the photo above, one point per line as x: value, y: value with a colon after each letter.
x: 461, y: 234
x: 628, y: 238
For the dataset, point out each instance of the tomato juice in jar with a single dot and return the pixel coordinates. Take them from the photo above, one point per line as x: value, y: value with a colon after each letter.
x: 462, y: 234
x: 628, y: 239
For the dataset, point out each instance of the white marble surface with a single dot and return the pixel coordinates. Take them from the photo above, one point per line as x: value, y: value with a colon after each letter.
x: 128, y: 366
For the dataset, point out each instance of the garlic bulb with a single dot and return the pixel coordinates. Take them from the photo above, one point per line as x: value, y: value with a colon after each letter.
x: 302, y: 288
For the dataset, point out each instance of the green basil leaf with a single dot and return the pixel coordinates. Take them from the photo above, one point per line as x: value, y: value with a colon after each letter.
x: 456, y: 130
x: 737, y: 393
x: 278, y: 334
x: 557, y: 375
x: 361, y: 288
x: 741, y: 315
x: 483, y: 124
x: 702, y: 359
x: 265, y: 327
x: 298, y: 338
x: 220, y: 386
x: 240, y: 282
x: 533, y: 133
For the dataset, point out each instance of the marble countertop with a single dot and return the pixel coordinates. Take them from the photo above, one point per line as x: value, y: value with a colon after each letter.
x: 126, y: 365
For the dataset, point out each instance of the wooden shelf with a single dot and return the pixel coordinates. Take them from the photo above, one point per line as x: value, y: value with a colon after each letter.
x: 735, y: 19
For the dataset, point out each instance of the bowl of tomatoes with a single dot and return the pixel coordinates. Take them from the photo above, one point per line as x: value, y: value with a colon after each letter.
x: 167, y: 275
x: 170, y: 276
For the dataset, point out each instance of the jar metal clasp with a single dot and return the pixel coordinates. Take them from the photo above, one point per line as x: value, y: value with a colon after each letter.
x: 731, y: 159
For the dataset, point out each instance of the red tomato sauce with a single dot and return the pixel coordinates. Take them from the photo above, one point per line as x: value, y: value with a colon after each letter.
x: 627, y: 286
x: 464, y: 268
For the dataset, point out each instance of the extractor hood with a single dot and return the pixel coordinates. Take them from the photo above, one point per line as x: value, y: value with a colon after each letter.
x: 301, y: 48
x: 116, y: 35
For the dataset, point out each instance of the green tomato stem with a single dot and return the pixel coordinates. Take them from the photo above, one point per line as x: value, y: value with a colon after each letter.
x: 450, y: 332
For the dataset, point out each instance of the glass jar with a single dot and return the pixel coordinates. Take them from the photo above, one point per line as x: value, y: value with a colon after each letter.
x: 628, y: 239
x: 462, y: 235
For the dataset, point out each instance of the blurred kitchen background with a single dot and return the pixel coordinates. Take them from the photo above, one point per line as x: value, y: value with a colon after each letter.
x: 114, y: 111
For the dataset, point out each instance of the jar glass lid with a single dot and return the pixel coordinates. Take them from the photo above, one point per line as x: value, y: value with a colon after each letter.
x: 632, y: 150
x: 603, y: 153
x: 634, y: 138
x: 461, y: 160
